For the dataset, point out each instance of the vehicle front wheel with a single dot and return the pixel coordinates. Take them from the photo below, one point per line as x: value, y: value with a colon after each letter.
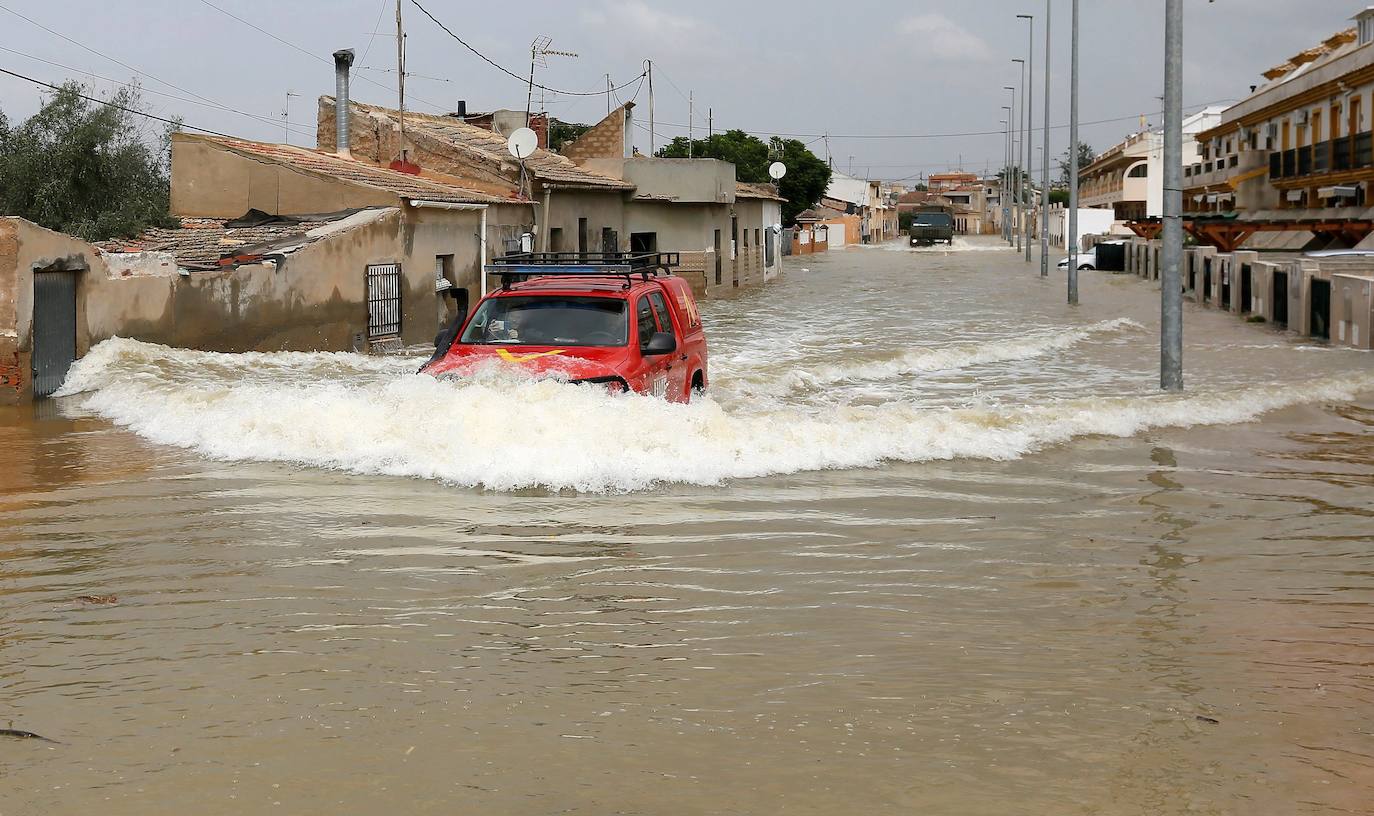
x: 698, y: 386
x: 1087, y: 266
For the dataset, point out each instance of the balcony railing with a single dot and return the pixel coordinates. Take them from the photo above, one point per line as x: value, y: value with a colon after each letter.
x: 1333, y: 155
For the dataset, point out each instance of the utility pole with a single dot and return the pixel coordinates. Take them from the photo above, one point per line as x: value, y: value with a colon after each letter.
x: 1073, y: 157
x: 1020, y: 186
x: 650, y: 71
x: 401, y: 78
x: 1171, y: 292
x: 851, y: 165
x: 690, y: 113
x: 710, y: 123
x: 1045, y: 162
x: 1027, y: 100
x: 828, y: 160
x: 609, y: 91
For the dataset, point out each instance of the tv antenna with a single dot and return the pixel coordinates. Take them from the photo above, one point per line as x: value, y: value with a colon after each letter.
x: 539, y: 54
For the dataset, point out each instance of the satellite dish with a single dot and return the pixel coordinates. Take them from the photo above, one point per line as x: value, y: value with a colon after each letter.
x: 522, y: 143
x: 777, y: 170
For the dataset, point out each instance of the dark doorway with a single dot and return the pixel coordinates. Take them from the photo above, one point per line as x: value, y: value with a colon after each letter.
x: 610, y: 240
x: 1320, y: 309
x: 1279, y: 294
x: 1206, y: 280
x: 54, y: 329
x: 582, y: 235
x: 718, y: 266
x: 1246, y: 303
x: 1226, y: 289
x: 644, y: 242
x: 734, y: 251
x: 1192, y: 276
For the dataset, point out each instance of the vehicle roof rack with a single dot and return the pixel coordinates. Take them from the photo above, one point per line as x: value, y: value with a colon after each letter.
x: 521, y: 265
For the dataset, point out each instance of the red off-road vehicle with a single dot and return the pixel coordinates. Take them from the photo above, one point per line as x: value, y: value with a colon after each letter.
x: 618, y: 319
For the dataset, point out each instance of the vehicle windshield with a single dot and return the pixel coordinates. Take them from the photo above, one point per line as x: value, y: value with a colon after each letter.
x: 932, y: 220
x: 549, y: 321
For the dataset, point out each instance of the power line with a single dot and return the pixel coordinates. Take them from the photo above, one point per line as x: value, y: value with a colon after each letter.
x: 310, y: 53
x: 998, y: 132
x: 214, y: 105
x: 120, y: 63
x: 506, y: 71
x: 376, y: 29
x: 109, y: 104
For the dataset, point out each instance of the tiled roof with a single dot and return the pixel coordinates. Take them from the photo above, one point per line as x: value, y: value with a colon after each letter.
x: 405, y: 185
x: 488, y: 147
x: 747, y: 190
x: 203, y: 242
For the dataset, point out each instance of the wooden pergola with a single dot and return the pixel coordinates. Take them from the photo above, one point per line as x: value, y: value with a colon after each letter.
x: 1227, y: 234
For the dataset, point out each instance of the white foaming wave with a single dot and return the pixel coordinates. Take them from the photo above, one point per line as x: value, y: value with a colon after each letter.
x: 915, y: 361
x: 959, y: 245
x: 506, y: 435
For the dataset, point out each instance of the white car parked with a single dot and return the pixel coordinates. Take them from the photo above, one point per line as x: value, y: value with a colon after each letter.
x: 1086, y: 260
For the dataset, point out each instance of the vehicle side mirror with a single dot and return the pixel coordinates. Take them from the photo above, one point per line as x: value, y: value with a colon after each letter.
x: 660, y: 343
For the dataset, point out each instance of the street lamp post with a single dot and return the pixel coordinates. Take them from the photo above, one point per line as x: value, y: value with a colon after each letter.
x: 1045, y: 167
x: 1003, y: 175
x: 1027, y: 99
x: 1171, y: 292
x: 1020, y: 183
x: 1011, y: 155
x: 1073, y: 158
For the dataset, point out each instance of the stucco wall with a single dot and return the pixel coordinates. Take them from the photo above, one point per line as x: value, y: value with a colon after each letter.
x: 601, y: 209
x: 210, y: 181
x: 682, y: 180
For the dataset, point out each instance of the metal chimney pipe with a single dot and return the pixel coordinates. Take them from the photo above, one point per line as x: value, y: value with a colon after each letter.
x: 343, y: 60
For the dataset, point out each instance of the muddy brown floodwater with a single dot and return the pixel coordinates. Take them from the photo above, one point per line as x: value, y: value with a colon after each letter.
x: 933, y: 545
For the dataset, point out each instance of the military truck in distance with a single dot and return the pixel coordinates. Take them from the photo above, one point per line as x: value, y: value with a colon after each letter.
x: 932, y: 223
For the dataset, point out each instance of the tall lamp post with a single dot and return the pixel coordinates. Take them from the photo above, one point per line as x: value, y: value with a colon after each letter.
x: 1171, y: 292
x: 1006, y: 170
x: 1011, y: 151
x: 1044, y: 168
x: 1020, y: 183
x: 1073, y: 158
x: 1027, y: 99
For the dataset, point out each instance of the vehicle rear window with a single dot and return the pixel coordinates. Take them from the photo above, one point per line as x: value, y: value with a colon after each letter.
x: 932, y: 220
x: 549, y: 320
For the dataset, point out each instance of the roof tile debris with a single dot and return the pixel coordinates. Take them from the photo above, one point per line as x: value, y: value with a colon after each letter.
x: 209, y: 243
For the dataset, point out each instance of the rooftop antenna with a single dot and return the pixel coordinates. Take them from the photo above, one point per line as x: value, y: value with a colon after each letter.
x: 539, y: 53
x: 286, y: 115
x: 521, y: 144
x: 776, y: 171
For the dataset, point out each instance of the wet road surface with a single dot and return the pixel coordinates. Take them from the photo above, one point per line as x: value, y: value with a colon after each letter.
x: 933, y: 545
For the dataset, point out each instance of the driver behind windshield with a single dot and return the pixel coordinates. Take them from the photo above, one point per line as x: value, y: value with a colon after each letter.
x: 550, y: 320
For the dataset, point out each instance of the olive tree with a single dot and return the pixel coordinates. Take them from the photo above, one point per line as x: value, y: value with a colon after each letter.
x: 89, y: 169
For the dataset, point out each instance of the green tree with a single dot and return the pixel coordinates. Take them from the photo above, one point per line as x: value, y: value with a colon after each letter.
x: 806, y: 179
x: 561, y: 133
x: 1085, y: 158
x: 85, y: 168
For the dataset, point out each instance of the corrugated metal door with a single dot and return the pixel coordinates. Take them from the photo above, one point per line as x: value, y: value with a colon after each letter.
x: 54, y: 329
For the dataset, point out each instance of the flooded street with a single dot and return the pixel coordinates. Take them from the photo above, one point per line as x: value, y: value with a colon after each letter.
x: 934, y: 544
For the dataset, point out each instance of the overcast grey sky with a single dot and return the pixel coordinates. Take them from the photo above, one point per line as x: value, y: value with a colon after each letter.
x: 851, y: 69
